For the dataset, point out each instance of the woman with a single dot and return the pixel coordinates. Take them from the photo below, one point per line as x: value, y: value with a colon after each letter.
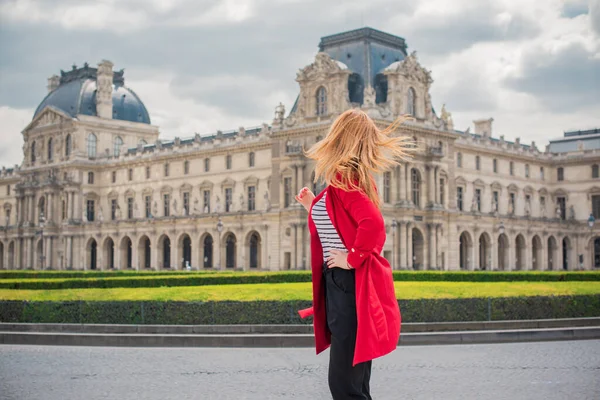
x: 355, y: 309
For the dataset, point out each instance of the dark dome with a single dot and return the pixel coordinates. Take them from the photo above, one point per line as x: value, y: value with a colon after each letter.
x: 78, y: 96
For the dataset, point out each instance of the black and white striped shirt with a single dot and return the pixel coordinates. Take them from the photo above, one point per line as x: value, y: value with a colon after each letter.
x: 327, y: 233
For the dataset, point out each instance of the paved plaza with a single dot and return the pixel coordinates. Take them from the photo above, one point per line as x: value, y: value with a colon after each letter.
x: 549, y: 370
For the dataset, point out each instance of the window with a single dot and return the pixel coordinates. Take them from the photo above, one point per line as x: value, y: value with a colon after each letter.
x: 130, y: 174
x: 442, y: 191
x: 64, y: 209
x: 186, y: 203
x: 228, y: 199
x: 167, y: 204
x: 251, y: 198
x: 416, y: 187
x: 496, y: 200
x: 147, y: 172
x: 33, y: 153
x: 512, y: 203
x: 251, y: 159
x: 543, y: 203
x: 8, y: 190
x: 130, y: 208
x: 410, y: 102
x: 287, y: 191
x: 495, y: 166
x: 113, y: 209
x: 459, y: 198
x: 206, y: 164
x: 92, y: 145
x: 477, y: 163
x: 228, y: 161
x: 50, y: 150
x: 459, y: 160
x: 526, y: 170
x: 562, y: 205
x: 166, y: 169
x: 527, y: 199
x: 595, y: 171
x: 90, y: 210
x: 542, y: 173
x: 186, y: 167
x: 321, y: 101
x: 114, y: 177
x: 7, y: 217
x: 148, y: 206
x: 387, y: 178
x: 478, y: 199
x: 596, y: 206
x: 511, y: 168
x: 560, y: 173
x: 90, y: 178
x: 68, y: 146
x: 206, y: 197
x: 117, y: 144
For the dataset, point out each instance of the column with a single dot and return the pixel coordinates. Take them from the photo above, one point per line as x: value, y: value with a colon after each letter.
x: 32, y: 214
x: 401, y: 248
x: 402, y: 183
x: 26, y: 209
x: 436, y: 187
x: 69, y: 252
x: 295, y: 251
x: 438, y: 253
x: 544, y: 256
x: 430, y: 242
x: 430, y: 199
x: 407, y: 186
x: 409, y: 246
x: 71, y: 205
x: 433, y: 260
x: 29, y: 252
x: 134, y: 254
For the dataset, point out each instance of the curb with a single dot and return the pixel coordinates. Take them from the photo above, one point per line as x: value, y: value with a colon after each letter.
x: 288, y: 340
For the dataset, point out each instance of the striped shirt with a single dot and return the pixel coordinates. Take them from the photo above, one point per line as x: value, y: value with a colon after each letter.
x: 327, y: 234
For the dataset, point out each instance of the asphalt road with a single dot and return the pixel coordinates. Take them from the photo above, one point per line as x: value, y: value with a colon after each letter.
x: 528, y: 371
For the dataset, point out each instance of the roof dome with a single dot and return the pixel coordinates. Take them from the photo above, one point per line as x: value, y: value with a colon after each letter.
x: 76, y: 94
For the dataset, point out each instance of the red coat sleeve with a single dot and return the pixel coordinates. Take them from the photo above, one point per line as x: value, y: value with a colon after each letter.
x: 370, y: 225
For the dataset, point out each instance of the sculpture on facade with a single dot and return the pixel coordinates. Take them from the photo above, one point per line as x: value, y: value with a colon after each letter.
x: 197, y: 209
x: 118, y: 213
x: 557, y: 212
x: 241, y: 202
x: 527, y: 207
x: 206, y: 209
x: 136, y: 213
x: 267, y: 202
x: 571, y: 212
x: 369, y: 96
x: 447, y: 118
x: 511, y: 207
x: 218, y: 205
x: 474, y: 204
x: 279, y: 114
x: 174, y: 206
x: 494, y: 205
x: 100, y: 214
x: 154, y: 209
x: 84, y: 217
x: 543, y: 209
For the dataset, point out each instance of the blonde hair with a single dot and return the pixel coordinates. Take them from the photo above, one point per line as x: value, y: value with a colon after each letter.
x: 355, y: 147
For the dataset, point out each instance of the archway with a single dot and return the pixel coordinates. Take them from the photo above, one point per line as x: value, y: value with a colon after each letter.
x: 465, y: 250
x: 485, y: 251
x: 552, y: 247
x: 126, y: 252
x: 520, y: 253
x: 418, y: 248
x: 536, y: 253
x: 11, y: 254
x: 207, y: 251
x: 566, y: 253
x: 254, y: 247
x: 109, y: 253
x: 144, y: 252
x: 164, y: 251
x: 184, y: 250
x: 230, y: 250
x: 92, y: 254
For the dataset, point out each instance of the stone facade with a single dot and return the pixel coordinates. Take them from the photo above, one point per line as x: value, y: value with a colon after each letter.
x: 95, y: 192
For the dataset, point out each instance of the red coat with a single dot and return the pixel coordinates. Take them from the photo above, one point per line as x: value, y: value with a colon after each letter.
x: 361, y: 228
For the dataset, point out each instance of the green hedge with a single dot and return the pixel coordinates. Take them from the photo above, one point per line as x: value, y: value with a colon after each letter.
x: 285, y: 312
x: 232, y: 278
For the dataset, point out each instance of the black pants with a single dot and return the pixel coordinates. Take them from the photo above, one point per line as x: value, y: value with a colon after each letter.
x: 345, y: 381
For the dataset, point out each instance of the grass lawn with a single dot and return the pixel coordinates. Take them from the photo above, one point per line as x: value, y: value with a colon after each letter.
x: 303, y: 291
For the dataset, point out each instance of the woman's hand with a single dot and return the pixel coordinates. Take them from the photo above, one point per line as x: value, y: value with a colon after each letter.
x: 337, y: 259
x: 305, y: 197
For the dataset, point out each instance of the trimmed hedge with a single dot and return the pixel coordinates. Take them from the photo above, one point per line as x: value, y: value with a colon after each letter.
x: 232, y: 278
x: 285, y: 312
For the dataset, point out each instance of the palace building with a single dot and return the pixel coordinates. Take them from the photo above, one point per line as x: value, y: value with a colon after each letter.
x: 98, y: 188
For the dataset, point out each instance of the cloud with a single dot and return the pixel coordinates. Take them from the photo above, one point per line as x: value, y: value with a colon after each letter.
x: 574, y: 8
x: 13, y: 122
x: 595, y: 15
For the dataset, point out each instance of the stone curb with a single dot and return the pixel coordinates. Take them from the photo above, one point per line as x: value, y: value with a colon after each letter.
x: 288, y: 340
x: 291, y: 329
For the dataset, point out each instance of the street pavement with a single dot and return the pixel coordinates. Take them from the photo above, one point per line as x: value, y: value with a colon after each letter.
x: 549, y: 370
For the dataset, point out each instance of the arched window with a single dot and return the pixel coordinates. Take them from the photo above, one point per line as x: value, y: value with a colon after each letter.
x: 416, y: 186
x: 321, y: 101
x: 68, y: 146
x: 117, y: 146
x: 251, y: 159
x: 595, y: 171
x: 410, y: 102
x: 459, y: 160
x: 92, y: 145
x: 50, y: 150
x: 33, y: 152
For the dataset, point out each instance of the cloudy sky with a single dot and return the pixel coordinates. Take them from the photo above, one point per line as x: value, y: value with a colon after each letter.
x: 203, y: 65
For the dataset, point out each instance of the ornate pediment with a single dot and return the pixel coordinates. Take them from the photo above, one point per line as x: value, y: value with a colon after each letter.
x: 411, y: 69
x: 543, y: 192
x: 186, y: 187
x: 321, y: 68
x: 460, y: 181
x: 513, y: 188
x: 206, y: 185
x: 49, y: 116
x: 479, y: 183
x: 528, y: 190
x: 251, y: 180
x: 228, y: 182
x: 496, y: 186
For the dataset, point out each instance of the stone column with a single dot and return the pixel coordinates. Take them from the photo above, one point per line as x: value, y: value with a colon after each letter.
x: 430, y: 189
x: 407, y: 187
x: 401, y: 245
x: 409, y: 245
x: 32, y: 213
x: 543, y: 263
x: 29, y: 252
x: 402, y: 182
x: 431, y: 243
x: 135, y: 257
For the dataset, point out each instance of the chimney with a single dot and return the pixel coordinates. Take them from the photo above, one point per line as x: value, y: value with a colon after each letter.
x: 483, y: 127
x: 53, y: 82
x: 104, y: 84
